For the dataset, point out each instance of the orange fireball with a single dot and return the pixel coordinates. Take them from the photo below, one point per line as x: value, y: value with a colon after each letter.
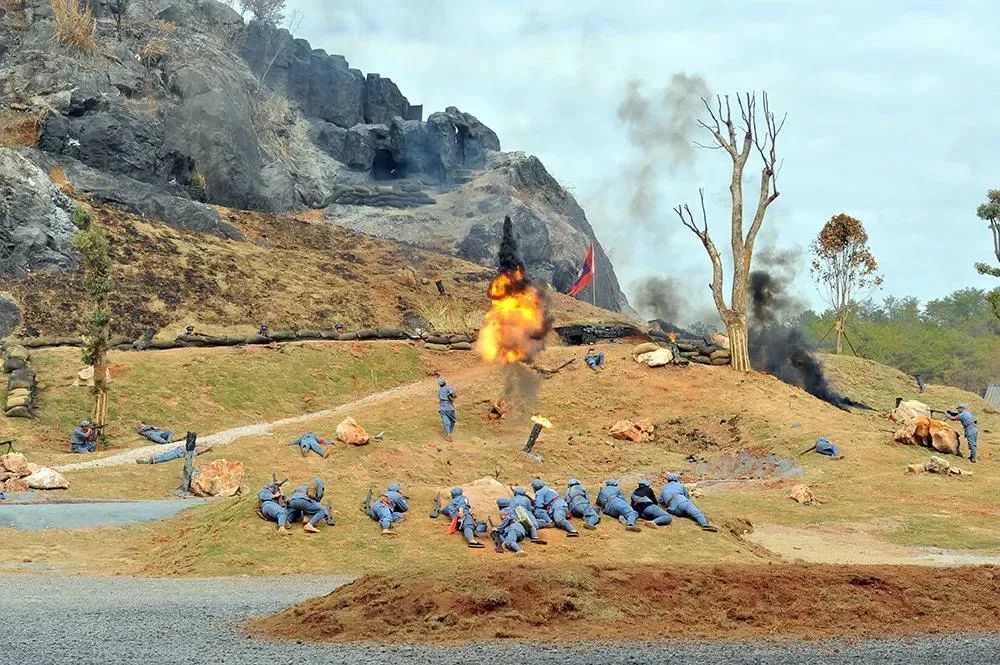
x: 517, y: 322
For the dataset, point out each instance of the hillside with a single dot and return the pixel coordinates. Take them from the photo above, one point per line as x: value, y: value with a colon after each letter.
x: 180, y: 106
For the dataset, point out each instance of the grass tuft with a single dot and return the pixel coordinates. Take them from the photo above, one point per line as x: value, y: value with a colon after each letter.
x: 75, y: 27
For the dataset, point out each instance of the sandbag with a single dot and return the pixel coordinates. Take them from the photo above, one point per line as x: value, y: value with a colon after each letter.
x: 391, y: 333
x: 67, y: 341
x: 701, y: 360
x: 231, y: 341
x: 347, y: 337
x: 720, y: 361
x: 12, y: 364
x: 283, y: 336
x: 719, y: 353
x: 686, y: 346
x: 257, y: 339
x: 18, y: 352
x: 14, y: 384
x: 162, y: 344
x: 645, y: 347
x: 461, y: 346
x: 22, y: 400
x: 367, y: 333
x: 309, y: 334
x: 437, y: 339
x: 435, y: 347
x: 119, y: 340
x: 458, y: 339
x: 18, y: 392
x: 191, y: 340
x: 329, y: 334
x: 19, y: 412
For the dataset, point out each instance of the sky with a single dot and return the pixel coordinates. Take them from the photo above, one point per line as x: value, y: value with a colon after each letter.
x: 892, y: 115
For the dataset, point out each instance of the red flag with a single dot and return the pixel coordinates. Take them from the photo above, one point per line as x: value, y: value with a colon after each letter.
x: 586, y: 273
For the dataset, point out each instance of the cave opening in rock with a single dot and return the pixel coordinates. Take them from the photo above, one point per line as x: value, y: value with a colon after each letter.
x: 385, y: 166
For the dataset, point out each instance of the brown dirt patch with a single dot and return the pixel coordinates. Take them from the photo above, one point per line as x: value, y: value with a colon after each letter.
x: 651, y: 603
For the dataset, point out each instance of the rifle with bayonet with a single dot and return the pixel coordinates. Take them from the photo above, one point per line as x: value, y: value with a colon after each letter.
x: 495, y: 535
x: 367, y: 507
x: 277, y: 488
x: 436, y: 511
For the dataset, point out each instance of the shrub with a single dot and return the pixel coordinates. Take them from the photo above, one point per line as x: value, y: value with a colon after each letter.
x: 20, y: 130
x: 266, y: 11
x: 75, y: 27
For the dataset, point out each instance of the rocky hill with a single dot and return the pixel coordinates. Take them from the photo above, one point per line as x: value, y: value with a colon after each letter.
x: 184, y: 107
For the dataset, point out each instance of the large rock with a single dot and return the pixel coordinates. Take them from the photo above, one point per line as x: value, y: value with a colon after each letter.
x: 15, y: 463
x: 46, y: 479
x: 803, y: 494
x: 349, y: 431
x: 10, y: 316
x: 909, y: 410
x: 639, y: 431
x: 36, y: 227
x: 929, y: 433
x: 219, y: 478
x: 383, y: 101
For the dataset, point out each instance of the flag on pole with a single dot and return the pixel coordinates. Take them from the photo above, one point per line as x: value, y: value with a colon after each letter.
x: 586, y: 273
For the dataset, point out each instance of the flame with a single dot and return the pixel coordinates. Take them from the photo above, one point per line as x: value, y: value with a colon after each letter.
x: 516, y: 322
x: 672, y: 336
x: 540, y: 420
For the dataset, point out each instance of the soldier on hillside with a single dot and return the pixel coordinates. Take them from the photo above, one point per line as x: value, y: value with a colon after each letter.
x: 84, y: 438
x: 677, y: 500
x: 446, y: 407
x: 271, y: 505
x: 308, y: 442
x: 579, y: 504
x: 553, y: 506
x: 968, y: 421
x: 305, y: 501
x: 389, y: 508
x: 459, y: 510
x: 155, y: 434
x: 644, y: 503
x: 613, y: 501
x: 510, y: 529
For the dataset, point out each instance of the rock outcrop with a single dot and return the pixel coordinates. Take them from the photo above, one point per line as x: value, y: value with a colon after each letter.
x: 189, y: 106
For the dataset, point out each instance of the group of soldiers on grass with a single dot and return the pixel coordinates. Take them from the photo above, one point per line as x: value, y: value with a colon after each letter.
x: 520, y: 516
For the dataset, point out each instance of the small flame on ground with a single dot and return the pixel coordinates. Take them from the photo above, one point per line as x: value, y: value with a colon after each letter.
x: 517, y: 322
x: 672, y: 336
x: 540, y: 420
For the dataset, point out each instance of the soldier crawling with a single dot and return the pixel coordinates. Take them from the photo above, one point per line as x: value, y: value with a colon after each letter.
x: 389, y: 508
x: 459, y: 510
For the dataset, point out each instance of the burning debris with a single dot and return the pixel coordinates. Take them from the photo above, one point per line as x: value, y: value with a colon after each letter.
x: 540, y: 424
x: 518, y: 321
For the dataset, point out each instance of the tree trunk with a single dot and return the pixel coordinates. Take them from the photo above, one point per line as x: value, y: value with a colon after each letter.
x: 838, y: 325
x: 100, y: 379
x: 739, y: 344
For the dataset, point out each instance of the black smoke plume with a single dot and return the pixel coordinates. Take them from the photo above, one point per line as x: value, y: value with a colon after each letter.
x: 779, y: 349
x: 509, y: 260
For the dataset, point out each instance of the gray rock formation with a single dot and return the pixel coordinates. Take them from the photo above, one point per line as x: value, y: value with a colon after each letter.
x: 36, y: 226
x: 190, y: 103
x: 10, y: 316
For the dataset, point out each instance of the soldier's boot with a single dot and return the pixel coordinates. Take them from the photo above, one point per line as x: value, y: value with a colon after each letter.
x: 388, y: 532
x: 309, y: 528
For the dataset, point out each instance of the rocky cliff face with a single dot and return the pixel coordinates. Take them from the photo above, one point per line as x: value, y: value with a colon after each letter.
x: 187, y: 107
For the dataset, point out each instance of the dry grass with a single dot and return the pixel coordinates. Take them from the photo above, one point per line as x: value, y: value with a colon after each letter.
x: 272, y: 118
x: 154, y: 50
x: 450, y: 315
x: 57, y: 175
x: 19, y: 129
x: 166, y: 27
x: 75, y: 27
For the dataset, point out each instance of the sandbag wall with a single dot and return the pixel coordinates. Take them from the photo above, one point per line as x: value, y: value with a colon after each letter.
x: 698, y: 351
x: 20, y: 399
x: 441, y: 342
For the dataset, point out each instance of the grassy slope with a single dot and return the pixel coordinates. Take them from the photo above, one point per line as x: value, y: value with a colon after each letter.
x: 868, y: 487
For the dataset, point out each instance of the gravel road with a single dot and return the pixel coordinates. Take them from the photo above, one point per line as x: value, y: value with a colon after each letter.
x: 35, y: 516
x: 85, y: 620
x: 229, y: 436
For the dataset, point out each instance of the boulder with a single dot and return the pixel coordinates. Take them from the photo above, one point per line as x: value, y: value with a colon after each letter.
x: 36, y: 224
x: 658, y: 358
x: 10, y: 316
x: 910, y: 410
x: 219, y: 478
x: 349, y: 431
x: 14, y: 485
x: 639, y: 431
x: 46, y: 479
x: 15, y: 463
x: 929, y: 433
x: 719, y: 340
x: 383, y: 100
x: 937, y: 465
x: 803, y: 494
x: 915, y: 468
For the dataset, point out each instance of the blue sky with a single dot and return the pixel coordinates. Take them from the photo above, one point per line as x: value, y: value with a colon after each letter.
x: 892, y: 113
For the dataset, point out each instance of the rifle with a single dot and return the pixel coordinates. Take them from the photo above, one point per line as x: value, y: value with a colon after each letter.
x: 950, y: 414
x: 9, y: 443
x: 277, y: 486
x: 436, y: 511
x: 367, y: 507
x: 812, y: 447
x: 495, y: 535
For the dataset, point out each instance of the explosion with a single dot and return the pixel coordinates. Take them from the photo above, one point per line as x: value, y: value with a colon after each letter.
x: 516, y: 325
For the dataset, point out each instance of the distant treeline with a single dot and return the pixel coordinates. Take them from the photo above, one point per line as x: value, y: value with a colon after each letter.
x: 954, y: 340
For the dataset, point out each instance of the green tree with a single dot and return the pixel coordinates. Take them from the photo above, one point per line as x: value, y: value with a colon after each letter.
x: 843, y: 265
x: 95, y: 248
x: 990, y: 213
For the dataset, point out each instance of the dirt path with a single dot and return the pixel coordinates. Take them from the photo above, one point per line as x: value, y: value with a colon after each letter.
x: 226, y: 437
x: 856, y: 543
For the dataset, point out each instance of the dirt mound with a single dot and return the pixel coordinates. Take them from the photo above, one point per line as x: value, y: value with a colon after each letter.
x: 651, y: 602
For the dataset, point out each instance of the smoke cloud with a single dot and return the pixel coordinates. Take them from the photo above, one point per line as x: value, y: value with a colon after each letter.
x: 660, y: 127
x: 670, y: 300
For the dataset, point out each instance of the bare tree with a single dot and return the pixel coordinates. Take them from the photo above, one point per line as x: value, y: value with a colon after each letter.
x: 842, y: 266
x: 739, y: 138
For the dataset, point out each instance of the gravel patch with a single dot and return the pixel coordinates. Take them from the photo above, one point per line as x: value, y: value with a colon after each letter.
x: 84, y: 620
x: 226, y: 437
x: 36, y: 516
